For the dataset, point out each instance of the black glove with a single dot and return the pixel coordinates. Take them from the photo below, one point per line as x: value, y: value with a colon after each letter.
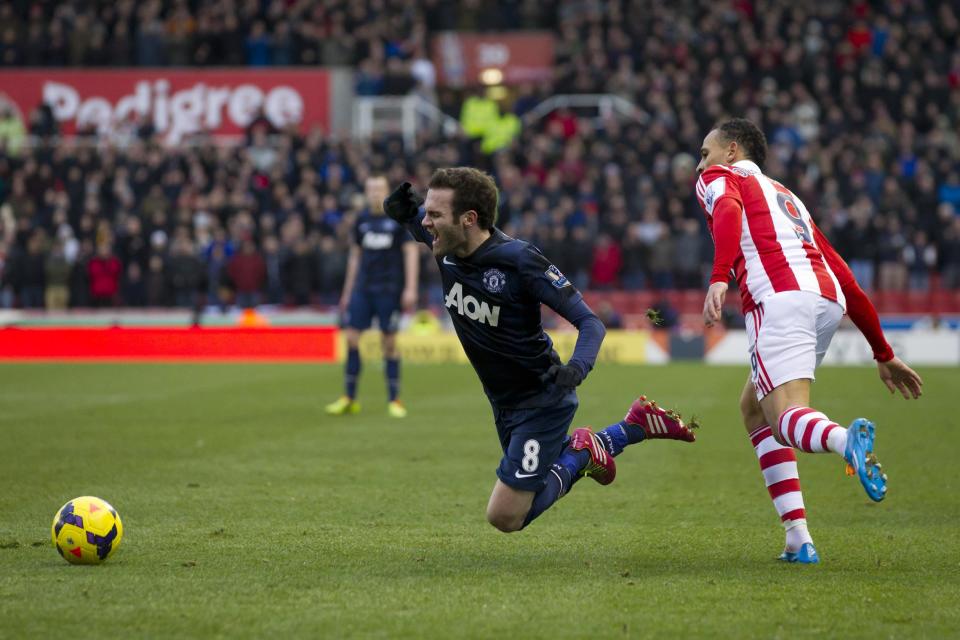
x: 563, y: 375
x: 403, y: 204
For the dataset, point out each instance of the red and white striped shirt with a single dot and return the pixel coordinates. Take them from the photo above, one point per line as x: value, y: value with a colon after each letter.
x: 775, y: 247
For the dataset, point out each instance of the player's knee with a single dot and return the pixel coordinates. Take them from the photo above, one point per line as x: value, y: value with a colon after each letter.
x: 504, y: 521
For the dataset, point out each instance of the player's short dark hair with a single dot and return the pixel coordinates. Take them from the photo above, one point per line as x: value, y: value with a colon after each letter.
x: 472, y: 190
x: 748, y: 136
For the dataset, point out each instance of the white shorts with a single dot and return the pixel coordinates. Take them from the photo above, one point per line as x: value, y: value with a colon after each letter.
x: 789, y: 333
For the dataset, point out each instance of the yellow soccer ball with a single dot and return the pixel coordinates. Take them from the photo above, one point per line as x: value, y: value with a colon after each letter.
x: 86, y: 530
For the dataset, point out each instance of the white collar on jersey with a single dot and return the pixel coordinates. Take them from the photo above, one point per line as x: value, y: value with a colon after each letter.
x: 748, y: 165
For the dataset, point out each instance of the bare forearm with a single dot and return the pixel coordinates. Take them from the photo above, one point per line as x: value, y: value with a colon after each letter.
x: 411, y: 266
x: 353, y: 264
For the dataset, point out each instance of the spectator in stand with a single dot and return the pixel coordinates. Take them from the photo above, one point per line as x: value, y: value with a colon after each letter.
x: 950, y: 255
x: 858, y: 242
x: 949, y: 191
x: 150, y: 39
x: 247, y: 272
x: 397, y: 80
x: 27, y: 272
x: 859, y: 105
x: 920, y: 258
x: 688, y: 247
x: 155, y: 282
x: 80, y: 276
x: 332, y: 268
x: 272, y: 260
x: 57, y: 278
x: 661, y: 260
x: 580, y: 257
x: 890, y: 254
x: 185, y: 273
x: 12, y: 132
x: 284, y: 45
x: 104, y: 271
x: 133, y: 288
x: 607, y: 262
x: 180, y: 28
x: 258, y: 46
x: 299, y: 272
x: 609, y: 316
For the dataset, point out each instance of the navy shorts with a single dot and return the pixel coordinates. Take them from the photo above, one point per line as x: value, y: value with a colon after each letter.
x: 364, y: 305
x: 532, y: 440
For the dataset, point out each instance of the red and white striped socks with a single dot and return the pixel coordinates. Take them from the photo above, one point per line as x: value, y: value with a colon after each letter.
x: 801, y: 428
x: 809, y: 430
x: 779, y: 467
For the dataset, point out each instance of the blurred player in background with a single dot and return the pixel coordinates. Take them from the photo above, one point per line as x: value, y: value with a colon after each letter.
x: 382, y: 277
x: 494, y: 286
x: 795, y: 289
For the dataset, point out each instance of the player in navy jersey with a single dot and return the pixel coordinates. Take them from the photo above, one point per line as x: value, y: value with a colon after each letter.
x: 493, y: 287
x: 382, y: 272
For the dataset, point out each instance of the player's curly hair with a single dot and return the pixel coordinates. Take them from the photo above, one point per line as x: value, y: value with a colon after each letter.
x: 748, y: 136
x: 472, y: 190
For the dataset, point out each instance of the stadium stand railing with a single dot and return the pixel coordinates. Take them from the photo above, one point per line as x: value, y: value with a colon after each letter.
x: 406, y: 115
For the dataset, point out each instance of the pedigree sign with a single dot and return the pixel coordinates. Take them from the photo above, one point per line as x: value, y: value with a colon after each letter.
x: 180, y: 102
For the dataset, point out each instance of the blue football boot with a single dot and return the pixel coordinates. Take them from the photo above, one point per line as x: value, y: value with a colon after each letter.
x: 862, y: 462
x: 807, y: 554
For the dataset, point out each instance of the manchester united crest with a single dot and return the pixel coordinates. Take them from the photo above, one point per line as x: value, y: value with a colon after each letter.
x: 493, y: 280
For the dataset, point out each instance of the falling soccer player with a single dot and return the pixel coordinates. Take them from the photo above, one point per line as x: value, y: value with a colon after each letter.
x: 494, y: 286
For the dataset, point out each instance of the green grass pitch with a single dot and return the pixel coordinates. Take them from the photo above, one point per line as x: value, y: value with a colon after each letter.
x: 248, y: 513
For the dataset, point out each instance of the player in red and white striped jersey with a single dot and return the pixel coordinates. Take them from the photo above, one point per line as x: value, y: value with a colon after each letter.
x: 795, y: 290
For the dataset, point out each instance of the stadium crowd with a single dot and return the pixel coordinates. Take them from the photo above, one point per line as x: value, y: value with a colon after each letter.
x: 860, y: 102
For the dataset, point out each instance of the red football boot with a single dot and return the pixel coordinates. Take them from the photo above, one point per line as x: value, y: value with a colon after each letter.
x: 657, y: 422
x: 601, y: 467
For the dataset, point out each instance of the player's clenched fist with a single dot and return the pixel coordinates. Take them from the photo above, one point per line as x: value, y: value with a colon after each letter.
x: 566, y: 375
x: 402, y: 205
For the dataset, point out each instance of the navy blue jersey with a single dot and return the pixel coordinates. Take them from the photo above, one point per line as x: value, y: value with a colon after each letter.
x: 494, y: 297
x: 381, y: 261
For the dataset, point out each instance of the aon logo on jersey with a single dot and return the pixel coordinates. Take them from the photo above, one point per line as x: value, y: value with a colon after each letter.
x: 470, y: 307
x: 374, y: 240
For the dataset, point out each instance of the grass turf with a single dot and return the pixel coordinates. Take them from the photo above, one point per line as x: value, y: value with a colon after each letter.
x: 248, y: 512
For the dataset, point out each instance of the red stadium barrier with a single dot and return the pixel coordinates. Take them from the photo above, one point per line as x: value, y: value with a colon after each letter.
x: 171, y: 344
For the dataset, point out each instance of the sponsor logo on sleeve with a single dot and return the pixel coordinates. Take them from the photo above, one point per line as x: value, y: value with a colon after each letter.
x: 713, y: 193
x: 556, y: 278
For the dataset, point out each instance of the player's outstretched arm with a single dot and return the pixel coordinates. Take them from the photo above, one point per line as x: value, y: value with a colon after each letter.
x: 894, y: 373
